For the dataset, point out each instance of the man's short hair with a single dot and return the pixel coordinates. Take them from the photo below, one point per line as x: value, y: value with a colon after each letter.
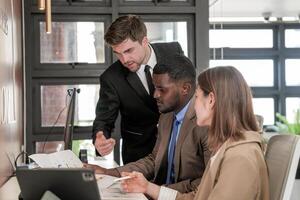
x: 178, y: 67
x: 126, y: 27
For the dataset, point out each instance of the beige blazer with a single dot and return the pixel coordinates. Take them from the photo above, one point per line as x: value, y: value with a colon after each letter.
x: 239, y: 172
x: 191, y: 154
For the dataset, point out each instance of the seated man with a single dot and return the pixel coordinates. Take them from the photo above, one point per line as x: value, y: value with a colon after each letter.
x: 181, y: 147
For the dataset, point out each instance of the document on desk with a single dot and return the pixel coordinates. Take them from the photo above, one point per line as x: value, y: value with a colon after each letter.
x: 114, y: 192
x: 60, y: 159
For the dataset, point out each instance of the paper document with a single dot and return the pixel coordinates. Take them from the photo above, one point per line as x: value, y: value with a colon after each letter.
x: 114, y: 192
x: 60, y: 159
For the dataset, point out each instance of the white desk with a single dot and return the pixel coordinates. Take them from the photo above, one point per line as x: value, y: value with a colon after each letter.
x: 11, y: 190
x: 296, y: 190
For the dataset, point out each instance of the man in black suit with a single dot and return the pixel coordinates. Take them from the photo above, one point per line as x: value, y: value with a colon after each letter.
x: 126, y: 87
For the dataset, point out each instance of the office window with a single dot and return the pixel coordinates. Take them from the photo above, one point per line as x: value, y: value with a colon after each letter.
x: 49, y: 146
x: 265, y: 108
x: 257, y: 73
x: 259, y: 38
x: 79, y: 0
x: 156, y: 3
x: 168, y: 32
x: 54, y: 101
x: 263, y: 54
x: 292, y: 71
x: 54, y: 146
x: 152, y: 0
x: 72, y: 42
x: 292, y: 38
x: 78, y: 3
x: 292, y: 104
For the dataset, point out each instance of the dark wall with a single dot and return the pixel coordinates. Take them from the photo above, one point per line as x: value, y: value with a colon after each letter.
x: 11, y: 86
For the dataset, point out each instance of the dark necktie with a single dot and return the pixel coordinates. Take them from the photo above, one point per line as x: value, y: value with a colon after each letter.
x: 172, y: 147
x: 149, y: 80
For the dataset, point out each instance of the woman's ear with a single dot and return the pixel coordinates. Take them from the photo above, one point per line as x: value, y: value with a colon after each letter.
x: 211, y: 100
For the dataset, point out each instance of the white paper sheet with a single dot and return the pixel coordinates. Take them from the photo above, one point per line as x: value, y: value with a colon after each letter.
x: 60, y: 159
x: 114, y: 191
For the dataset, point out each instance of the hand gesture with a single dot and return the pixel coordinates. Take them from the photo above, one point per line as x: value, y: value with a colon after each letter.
x: 138, y: 183
x: 104, y: 146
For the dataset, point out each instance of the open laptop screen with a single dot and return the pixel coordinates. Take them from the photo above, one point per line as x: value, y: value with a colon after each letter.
x: 64, y: 183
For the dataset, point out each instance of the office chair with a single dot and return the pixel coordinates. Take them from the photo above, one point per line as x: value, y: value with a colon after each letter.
x: 282, y: 157
x: 260, y: 122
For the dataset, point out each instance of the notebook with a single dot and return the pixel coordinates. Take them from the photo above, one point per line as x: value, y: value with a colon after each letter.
x: 65, y: 183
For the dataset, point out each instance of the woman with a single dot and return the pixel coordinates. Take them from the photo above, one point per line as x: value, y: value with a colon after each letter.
x: 237, y: 169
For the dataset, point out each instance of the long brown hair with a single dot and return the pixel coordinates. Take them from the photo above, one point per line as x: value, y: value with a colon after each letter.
x: 233, y: 112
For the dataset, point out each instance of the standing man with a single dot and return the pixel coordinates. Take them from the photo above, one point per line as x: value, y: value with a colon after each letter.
x: 181, y: 152
x: 126, y: 87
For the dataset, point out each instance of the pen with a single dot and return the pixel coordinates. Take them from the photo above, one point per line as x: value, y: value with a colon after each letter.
x: 122, y: 178
x: 117, y: 180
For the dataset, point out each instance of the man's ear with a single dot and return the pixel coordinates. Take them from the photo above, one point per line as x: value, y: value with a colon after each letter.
x: 186, y: 88
x: 145, y: 41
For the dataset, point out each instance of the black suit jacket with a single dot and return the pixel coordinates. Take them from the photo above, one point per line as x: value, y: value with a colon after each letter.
x: 122, y: 91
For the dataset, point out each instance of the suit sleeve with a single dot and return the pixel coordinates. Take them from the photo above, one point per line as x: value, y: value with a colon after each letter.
x: 107, y: 108
x: 186, y: 196
x: 242, y: 184
x: 145, y: 165
x: 238, y: 180
x: 192, y: 184
x: 186, y: 185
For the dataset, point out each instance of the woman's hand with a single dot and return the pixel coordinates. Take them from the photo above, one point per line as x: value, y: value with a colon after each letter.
x: 138, y: 183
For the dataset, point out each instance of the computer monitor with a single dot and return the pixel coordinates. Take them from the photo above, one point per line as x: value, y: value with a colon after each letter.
x: 69, y: 126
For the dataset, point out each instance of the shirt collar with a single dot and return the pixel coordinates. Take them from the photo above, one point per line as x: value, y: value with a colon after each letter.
x: 180, y: 115
x: 151, y: 62
x: 152, y: 59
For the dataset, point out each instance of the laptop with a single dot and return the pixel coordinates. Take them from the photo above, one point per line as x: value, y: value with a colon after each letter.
x: 65, y: 183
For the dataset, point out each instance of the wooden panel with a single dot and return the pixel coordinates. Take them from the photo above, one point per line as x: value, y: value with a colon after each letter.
x: 11, y: 84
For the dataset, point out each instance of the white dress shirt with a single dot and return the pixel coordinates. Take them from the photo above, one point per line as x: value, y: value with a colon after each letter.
x: 140, y: 72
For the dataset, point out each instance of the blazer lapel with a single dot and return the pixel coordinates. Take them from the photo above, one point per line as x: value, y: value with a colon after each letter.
x: 187, y: 125
x: 135, y: 82
x: 162, y: 154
